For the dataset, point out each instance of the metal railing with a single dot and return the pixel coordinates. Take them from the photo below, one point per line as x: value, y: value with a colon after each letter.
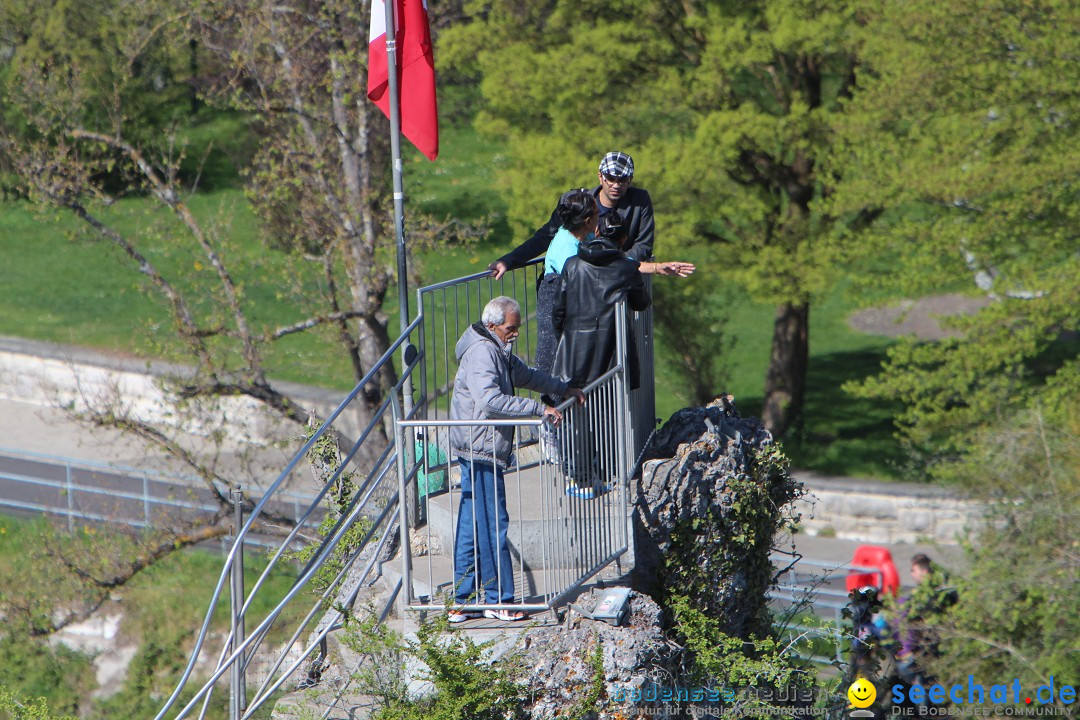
x: 816, y: 586
x: 368, y: 464
x: 449, y: 307
x: 392, y: 476
x: 566, y: 513
x: 558, y: 540
x: 84, y: 491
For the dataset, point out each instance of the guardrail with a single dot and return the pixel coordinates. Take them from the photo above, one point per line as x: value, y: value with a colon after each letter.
x: 87, y: 491
x: 559, y: 541
x: 451, y: 306
x: 556, y: 535
x: 361, y: 471
x: 811, y: 583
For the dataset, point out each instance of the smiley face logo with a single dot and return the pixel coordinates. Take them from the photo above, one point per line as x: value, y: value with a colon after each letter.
x: 862, y: 693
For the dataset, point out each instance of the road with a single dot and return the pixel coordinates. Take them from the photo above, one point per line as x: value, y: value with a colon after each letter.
x: 49, y: 462
x: 35, y: 441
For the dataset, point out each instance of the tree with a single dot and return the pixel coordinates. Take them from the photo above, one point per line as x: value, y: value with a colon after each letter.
x: 962, y: 130
x: 728, y: 108
x: 74, y: 135
x: 319, y: 178
x: 105, y: 56
x: 1016, y: 616
x: 964, y: 133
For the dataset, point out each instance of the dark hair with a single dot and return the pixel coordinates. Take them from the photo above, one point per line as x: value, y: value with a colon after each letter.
x: 922, y: 561
x: 575, y: 208
x: 612, y: 228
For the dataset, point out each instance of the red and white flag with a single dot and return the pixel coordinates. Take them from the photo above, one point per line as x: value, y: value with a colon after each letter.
x: 416, y: 72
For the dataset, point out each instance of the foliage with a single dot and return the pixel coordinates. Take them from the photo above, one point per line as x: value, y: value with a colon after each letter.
x: 319, y: 200
x: 728, y: 109
x: 159, y: 661
x: 57, y: 676
x: 595, y: 690
x: 962, y: 131
x: 158, y: 606
x: 466, y: 684
x: 720, y: 559
x: 733, y: 662
x: 21, y: 709
x: 325, y: 459
x: 1016, y: 616
x: 90, y: 58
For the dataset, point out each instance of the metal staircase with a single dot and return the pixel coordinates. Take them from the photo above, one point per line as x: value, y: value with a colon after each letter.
x: 391, y: 480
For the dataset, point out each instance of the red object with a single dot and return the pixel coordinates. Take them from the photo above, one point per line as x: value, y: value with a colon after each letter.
x: 416, y: 72
x: 874, y: 556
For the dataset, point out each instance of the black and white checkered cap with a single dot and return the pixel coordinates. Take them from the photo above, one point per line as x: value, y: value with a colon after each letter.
x: 617, y: 164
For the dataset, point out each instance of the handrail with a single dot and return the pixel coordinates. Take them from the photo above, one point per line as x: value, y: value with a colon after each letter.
x: 257, y: 510
x: 593, y: 448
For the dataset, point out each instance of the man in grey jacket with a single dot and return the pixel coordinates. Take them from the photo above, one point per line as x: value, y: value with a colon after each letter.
x: 488, y: 372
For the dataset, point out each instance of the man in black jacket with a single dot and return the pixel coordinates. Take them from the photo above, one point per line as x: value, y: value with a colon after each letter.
x: 615, y: 192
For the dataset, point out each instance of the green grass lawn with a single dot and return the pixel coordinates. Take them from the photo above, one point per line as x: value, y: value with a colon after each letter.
x: 62, y: 283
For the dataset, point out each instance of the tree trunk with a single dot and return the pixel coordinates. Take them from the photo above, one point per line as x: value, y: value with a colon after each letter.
x: 785, y: 383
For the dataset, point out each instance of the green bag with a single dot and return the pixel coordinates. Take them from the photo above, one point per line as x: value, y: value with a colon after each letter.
x: 432, y: 477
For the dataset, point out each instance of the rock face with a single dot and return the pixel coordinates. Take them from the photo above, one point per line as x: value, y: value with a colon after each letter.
x: 707, y: 506
x: 709, y: 501
x: 561, y: 660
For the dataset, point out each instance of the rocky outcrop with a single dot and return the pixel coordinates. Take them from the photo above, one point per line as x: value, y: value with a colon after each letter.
x: 710, y: 499
x: 561, y: 663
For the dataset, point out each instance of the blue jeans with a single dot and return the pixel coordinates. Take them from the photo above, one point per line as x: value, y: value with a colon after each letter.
x: 480, y: 541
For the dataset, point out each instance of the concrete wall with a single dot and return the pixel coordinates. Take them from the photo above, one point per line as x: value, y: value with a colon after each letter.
x: 51, y: 375
x: 878, y: 512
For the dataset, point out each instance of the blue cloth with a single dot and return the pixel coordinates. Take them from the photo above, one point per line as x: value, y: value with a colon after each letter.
x: 563, y: 247
x: 480, y: 539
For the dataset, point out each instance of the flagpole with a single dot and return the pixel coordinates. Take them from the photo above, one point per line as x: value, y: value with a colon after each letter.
x: 399, y: 193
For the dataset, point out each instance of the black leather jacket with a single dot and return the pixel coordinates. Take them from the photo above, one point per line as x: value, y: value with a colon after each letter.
x: 592, y: 283
x: 635, y: 208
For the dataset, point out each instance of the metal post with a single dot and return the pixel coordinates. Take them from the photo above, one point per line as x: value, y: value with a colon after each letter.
x: 399, y: 191
x: 70, y: 498
x: 624, y: 428
x: 837, y: 634
x: 404, y: 511
x: 237, y: 691
x: 146, y: 498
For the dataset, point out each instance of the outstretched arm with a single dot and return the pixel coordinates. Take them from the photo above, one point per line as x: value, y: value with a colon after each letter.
x: 527, y: 250
x: 675, y: 268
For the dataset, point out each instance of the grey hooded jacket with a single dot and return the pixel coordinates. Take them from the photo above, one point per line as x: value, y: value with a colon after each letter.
x: 484, y: 386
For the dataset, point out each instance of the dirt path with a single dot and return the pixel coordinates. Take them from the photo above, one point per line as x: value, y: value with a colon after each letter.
x: 916, y: 317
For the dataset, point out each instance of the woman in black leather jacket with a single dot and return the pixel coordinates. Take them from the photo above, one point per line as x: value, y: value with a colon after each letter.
x: 592, y: 285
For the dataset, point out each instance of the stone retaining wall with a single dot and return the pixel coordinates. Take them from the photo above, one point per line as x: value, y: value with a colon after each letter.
x: 877, y: 512
x: 51, y: 375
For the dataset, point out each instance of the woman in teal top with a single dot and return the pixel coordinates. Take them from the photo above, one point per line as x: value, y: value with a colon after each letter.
x: 563, y: 247
x: 578, y: 213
